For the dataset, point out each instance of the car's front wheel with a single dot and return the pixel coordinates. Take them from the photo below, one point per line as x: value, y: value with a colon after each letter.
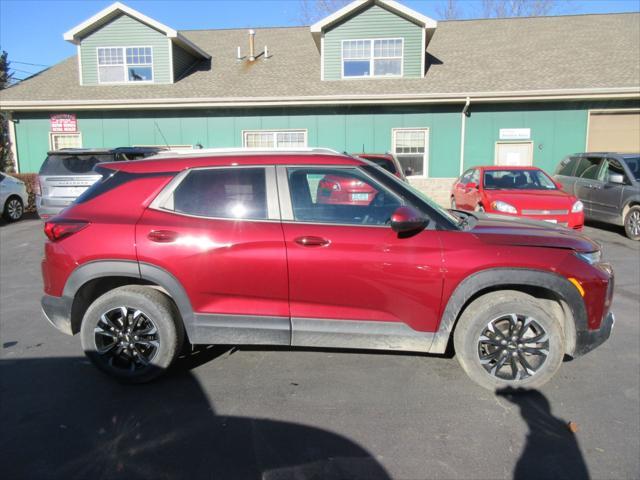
x: 133, y: 333
x: 13, y: 209
x: 632, y: 223
x: 506, y: 339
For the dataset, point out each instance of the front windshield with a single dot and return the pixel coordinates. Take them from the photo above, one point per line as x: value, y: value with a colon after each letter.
x: 634, y: 165
x: 517, y: 180
x: 401, y: 187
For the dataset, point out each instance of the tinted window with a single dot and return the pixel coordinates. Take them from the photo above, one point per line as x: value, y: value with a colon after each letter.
x: 223, y: 193
x: 385, y: 163
x: 517, y: 179
x: 566, y: 166
x: 60, y: 164
x: 634, y: 165
x: 588, y: 168
x: 613, y: 167
x: 344, y: 196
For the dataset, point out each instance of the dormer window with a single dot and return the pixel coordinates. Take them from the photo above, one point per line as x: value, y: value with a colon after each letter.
x: 125, y: 64
x: 372, y: 58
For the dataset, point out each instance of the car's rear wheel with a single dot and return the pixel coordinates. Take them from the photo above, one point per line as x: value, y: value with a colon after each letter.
x: 13, y: 209
x: 479, y: 208
x: 132, y: 333
x: 632, y: 223
x: 506, y: 339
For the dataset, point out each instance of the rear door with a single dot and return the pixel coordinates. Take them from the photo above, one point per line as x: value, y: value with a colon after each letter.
x: 587, y: 173
x: 606, y: 201
x: 217, y: 231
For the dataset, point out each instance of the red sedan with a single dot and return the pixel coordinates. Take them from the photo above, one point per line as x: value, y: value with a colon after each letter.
x: 520, y: 191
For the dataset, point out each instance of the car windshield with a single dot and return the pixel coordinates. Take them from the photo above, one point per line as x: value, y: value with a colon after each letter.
x: 634, y: 165
x: 72, y: 164
x: 517, y: 180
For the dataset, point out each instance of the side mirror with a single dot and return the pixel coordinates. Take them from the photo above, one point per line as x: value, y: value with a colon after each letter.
x: 472, y: 186
x: 616, y: 178
x: 407, y: 219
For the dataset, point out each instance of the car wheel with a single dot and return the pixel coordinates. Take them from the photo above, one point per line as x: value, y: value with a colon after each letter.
x: 479, y: 208
x: 13, y: 209
x: 506, y: 339
x: 132, y: 333
x: 453, y: 203
x: 632, y: 223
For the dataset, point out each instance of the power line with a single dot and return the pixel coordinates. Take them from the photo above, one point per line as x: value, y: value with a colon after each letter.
x: 25, y: 63
x: 22, y: 71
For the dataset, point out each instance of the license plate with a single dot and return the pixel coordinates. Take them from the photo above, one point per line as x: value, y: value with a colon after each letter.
x: 67, y: 191
x: 551, y: 220
x: 359, y: 197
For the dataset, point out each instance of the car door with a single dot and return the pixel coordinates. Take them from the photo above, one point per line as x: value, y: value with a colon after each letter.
x: 587, y: 174
x: 608, y: 190
x: 459, y: 188
x: 217, y: 231
x: 351, y: 278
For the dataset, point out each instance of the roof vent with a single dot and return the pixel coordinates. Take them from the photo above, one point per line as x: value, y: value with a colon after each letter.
x: 252, y: 48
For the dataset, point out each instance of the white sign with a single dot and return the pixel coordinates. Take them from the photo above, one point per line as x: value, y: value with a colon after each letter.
x: 64, y: 122
x: 515, y: 133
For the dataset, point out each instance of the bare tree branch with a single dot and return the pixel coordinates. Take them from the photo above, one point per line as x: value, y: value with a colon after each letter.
x: 518, y: 8
x: 449, y: 10
x: 313, y: 10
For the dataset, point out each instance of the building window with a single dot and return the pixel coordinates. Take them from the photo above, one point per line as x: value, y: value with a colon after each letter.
x: 410, y: 146
x: 125, y: 64
x: 58, y: 141
x: 372, y: 58
x: 274, y: 139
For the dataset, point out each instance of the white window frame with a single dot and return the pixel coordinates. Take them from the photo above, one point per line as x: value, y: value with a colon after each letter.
x: 53, y: 135
x: 124, y: 66
x: 275, y: 137
x: 372, y: 58
x: 425, y: 156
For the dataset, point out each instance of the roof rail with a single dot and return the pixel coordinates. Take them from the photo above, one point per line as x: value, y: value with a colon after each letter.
x: 189, y: 152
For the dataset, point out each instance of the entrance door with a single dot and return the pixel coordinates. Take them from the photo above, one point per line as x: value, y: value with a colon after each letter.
x: 514, y: 154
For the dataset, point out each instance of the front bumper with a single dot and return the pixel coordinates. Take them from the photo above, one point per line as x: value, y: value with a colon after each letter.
x: 57, y: 310
x: 590, y: 339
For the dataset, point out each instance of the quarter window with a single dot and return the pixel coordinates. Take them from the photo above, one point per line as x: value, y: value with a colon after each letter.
x: 275, y: 139
x: 237, y: 193
x: 410, y: 146
x: 372, y: 58
x: 125, y: 64
x: 566, y: 166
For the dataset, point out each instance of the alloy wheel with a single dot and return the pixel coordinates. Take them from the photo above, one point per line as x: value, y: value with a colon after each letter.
x: 14, y: 209
x: 513, y: 347
x: 126, y: 339
x: 634, y: 223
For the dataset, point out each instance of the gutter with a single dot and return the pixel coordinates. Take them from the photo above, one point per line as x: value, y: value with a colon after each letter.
x: 463, y: 128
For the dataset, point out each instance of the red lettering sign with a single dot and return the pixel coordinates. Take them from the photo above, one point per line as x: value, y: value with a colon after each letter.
x: 64, y: 123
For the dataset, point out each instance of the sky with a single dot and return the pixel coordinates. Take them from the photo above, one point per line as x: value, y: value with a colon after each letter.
x: 31, y: 31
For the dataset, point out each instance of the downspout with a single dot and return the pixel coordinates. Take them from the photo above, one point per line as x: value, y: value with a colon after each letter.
x: 463, y: 127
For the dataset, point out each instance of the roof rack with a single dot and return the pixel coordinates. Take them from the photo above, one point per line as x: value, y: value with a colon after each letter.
x: 189, y: 152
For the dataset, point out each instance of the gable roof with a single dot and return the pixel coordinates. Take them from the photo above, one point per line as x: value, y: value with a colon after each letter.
x: 77, y: 33
x: 583, y: 56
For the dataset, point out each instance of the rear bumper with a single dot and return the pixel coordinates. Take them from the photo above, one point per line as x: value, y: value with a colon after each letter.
x: 590, y: 339
x: 50, y: 208
x: 57, y: 311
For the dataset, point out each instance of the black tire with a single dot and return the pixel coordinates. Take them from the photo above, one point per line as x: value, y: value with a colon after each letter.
x: 632, y: 223
x: 13, y: 209
x: 495, y: 308
x: 152, y: 333
x: 479, y: 208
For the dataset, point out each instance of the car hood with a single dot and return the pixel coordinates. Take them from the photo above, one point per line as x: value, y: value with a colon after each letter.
x: 517, y: 231
x: 534, y: 199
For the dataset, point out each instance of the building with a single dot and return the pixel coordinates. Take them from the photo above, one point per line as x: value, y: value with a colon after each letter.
x: 375, y: 76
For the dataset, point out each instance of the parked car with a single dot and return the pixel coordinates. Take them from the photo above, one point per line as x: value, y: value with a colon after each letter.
x: 233, y: 249
x: 519, y: 191
x: 66, y: 173
x: 13, y: 197
x: 387, y: 161
x: 609, y: 186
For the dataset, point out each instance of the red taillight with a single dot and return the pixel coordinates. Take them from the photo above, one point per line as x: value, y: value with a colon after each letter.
x: 37, y: 188
x: 56, y: 230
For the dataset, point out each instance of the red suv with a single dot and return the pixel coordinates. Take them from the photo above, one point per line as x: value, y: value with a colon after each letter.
x: 237, y: 249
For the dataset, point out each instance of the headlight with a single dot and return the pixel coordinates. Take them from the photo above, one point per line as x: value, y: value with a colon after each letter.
x: 590, y: 257
x: 577, y: 207
x: 503, y: 207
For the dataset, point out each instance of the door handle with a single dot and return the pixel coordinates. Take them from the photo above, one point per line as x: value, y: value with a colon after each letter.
x: 311, y: 241
x: 162, y: 236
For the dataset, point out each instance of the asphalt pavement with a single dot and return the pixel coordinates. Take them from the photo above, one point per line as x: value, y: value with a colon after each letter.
x: 278, y: 413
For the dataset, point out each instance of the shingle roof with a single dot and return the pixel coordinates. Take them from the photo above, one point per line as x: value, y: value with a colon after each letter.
x: 464, y: 57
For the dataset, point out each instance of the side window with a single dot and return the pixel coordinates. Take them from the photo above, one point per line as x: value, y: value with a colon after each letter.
x: 466, y: 176
x: 222, y: 193
x: 567, y: 166
x: 343, y: 196
x: 475, y: 177
x: 614, y: 167
x: 588, y: 168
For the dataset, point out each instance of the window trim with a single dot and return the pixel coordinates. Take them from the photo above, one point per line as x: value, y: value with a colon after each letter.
x: 165, y: 197
x: 275, y: 132
x: 426, y: 155
x: 56, y: 134
x: 372, y: 59
x: 124, y: 66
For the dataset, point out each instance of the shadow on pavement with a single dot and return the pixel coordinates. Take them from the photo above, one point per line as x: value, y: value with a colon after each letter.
x: 551, y: 450
x: 61, y: 418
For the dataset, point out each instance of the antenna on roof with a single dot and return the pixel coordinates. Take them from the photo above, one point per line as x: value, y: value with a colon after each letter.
x: 161, y: 134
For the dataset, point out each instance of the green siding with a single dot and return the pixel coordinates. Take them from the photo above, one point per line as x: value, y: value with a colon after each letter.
x: 374, y: 22
x: 125, y: 31
x: 182, y: 61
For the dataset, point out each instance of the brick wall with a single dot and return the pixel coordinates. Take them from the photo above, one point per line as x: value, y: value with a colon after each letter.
x: 438, y: 189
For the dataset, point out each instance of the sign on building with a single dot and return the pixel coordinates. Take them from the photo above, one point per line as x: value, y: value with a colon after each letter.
x: 64, y: 123
x: 515, y: 133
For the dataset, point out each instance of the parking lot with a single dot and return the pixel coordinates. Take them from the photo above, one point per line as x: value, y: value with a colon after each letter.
x: 278, y: 413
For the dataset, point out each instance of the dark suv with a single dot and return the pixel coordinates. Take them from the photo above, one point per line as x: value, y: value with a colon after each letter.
x: 238, y: 249
x: 68, y: 172
x: 608, y: 185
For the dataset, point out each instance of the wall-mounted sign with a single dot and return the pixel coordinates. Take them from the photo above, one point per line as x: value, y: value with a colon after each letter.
x: 64, y: 123
x: 515, y: 133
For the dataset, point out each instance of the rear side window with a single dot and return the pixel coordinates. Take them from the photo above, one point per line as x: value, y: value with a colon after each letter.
x: 60, y: 164
x: 223, y: 193
x: 567, y: 166
x: 385, y: 163
x: 588, y: 168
